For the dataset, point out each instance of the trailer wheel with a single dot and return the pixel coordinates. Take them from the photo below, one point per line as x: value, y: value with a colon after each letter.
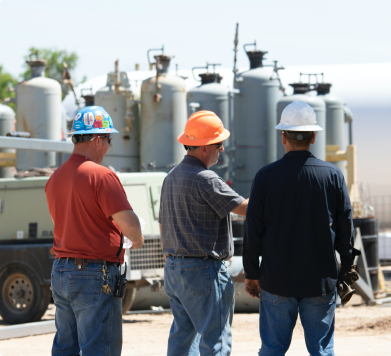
x: 127, y: 302
x: 22, y: 298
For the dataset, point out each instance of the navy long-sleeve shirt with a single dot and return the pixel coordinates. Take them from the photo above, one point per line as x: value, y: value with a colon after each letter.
x: 299, y: 213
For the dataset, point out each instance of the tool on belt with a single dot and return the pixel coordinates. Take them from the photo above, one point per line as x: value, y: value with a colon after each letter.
x: 121, y: 281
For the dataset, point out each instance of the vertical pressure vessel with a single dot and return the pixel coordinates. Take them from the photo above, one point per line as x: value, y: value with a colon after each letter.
x: 335, y: 120
x: 7, y: 124
x: 163, y: 118
x: 213, y: 96
x: 38, y: 111
x: 253, y: 133
x: 300, y: 93
x: 118, y: 101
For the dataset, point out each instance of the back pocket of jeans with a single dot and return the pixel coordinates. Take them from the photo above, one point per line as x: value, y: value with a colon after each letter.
x: 196, y: 280
x: 85, y: 290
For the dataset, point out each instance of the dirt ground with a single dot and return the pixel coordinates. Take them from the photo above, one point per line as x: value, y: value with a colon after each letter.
x: 360, y: 330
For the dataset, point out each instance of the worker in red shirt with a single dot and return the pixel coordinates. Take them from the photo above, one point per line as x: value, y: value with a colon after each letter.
x: 90, y: 212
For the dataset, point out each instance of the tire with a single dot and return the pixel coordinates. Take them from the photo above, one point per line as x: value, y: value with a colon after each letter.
x: 22, y: 298
x: 127, y: 302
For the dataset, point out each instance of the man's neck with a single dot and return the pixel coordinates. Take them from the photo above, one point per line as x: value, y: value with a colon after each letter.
x: 199, y: 156
x: 84, y: 152
x: 292, y: 148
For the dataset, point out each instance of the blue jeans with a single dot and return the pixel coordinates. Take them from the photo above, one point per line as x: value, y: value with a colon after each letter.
x: 202, y: 301
x: 277, y: 318
x: 87, y: 319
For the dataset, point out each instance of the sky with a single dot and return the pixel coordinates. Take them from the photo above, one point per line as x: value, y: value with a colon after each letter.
x: 296, y: 33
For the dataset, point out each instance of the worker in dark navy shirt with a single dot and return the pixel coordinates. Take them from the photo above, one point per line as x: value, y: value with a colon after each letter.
x: 298, y: 215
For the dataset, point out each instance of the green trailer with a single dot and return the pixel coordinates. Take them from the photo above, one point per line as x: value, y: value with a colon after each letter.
x: 26, y: 241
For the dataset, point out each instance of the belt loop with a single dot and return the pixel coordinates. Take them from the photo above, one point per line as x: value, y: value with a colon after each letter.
x: 67, y: 260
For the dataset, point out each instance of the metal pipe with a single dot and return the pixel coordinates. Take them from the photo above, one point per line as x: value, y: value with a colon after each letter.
x: 349, y: 120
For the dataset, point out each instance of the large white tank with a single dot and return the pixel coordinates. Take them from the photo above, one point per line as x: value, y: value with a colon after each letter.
x: 38, y: 111
x: 163, y: 118
x: 7, y: 124
x: 117, y: 99
x: 300, y: 93
x: 254, y: 121
x: 213, y: 96
x: 335, y: 120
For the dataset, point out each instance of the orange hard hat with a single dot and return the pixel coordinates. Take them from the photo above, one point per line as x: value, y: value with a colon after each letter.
x: 203, y: 128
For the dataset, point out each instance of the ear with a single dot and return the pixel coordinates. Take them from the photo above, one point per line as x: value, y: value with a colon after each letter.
x: 313, y: 138
x: 283, y: 138
x: 203, y: 149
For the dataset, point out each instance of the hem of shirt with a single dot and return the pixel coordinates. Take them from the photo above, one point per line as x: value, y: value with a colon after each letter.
x: 118, y: 211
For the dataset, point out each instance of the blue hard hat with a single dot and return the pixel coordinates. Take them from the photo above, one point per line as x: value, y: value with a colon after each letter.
x: 92, y: 120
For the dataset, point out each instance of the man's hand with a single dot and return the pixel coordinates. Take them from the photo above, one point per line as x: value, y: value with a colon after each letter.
x: 129, y: 224
x: 348, y: 274
x: 252, y: 287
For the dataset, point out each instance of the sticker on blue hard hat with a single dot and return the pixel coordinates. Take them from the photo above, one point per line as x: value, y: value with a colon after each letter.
x: 97, y: 124
x: 105, y: 115
x: 88, y: 119
x: 78, y: 125
x: 78, y: 116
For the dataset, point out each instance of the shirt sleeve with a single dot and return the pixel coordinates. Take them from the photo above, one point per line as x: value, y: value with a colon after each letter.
x: 254, y: 229
x: 111, y: 195
x: 344, y: 236
x: 220, y: 196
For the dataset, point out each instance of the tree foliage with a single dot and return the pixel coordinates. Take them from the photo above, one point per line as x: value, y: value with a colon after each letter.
x: 7, y: 81
x: 55, y: 59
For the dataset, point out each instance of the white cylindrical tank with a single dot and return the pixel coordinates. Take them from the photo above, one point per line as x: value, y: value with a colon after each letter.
x: 335, y: 120
x: 118, y: 101
x: 163, y: 119
x: 318, y: 149
x: 39, y: 112
x: 7, y: 124
x: 254, y: 137
x: 213, y: 96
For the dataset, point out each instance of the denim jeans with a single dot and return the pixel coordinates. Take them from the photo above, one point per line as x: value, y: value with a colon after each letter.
x: 202, y: 301
x: 277, y: 318
x: 87, y: 319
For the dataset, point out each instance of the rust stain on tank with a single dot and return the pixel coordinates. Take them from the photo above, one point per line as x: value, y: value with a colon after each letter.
x: 24, y: 123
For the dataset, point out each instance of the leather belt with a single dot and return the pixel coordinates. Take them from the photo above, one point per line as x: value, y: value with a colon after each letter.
x: 81, y: 263
x: 197, y: 257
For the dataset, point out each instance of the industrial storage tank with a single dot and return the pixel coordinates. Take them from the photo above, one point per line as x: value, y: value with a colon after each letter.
x: 213, y: 96
x: 117, y: 99
x: 38, y: 111
x: 300, y: 93
x: 254, y: 136
x: 7, y: 124
x: 163, y: 118
x: 335, y: 120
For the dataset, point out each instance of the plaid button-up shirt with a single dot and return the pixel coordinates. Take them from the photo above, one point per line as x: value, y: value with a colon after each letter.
x: 194, y: 212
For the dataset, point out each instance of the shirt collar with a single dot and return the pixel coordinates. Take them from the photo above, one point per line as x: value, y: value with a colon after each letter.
x: 293, y: 154
x: 194, y: 161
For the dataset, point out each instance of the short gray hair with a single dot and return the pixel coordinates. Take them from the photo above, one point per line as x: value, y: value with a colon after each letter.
x: 190, y: 148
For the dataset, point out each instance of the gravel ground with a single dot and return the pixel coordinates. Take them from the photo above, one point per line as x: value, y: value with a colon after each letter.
x: 360, y: 330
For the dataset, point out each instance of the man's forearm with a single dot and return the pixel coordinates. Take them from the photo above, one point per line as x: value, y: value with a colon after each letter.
x: 241, y: 209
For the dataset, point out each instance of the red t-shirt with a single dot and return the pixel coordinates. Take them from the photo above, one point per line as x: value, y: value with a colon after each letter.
x: 82, y: 196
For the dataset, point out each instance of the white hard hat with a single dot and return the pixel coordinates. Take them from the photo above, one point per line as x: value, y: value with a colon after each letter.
x: 298, y: 116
